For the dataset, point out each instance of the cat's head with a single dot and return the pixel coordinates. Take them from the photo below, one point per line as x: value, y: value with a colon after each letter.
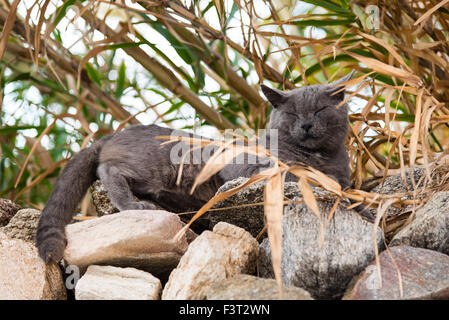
x: 309, y: 116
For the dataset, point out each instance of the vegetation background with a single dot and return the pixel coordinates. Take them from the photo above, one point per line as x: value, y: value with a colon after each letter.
x: 73, y: 71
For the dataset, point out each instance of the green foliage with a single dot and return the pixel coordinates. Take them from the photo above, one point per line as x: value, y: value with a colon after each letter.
x: 199, y: 65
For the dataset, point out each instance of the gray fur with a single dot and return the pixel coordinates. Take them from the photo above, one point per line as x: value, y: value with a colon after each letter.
x: 311, y: 130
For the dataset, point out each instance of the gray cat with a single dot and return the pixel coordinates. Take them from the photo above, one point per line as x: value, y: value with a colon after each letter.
x: 311, y: 130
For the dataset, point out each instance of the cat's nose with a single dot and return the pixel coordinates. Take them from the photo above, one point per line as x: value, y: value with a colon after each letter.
x: 306, y: 126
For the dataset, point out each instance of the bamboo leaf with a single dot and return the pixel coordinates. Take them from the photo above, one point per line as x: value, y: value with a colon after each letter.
x: 121, y: 80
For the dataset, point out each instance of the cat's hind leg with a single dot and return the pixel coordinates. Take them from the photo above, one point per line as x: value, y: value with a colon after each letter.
x: 118, y: 189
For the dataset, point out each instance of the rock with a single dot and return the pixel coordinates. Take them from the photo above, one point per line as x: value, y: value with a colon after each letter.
x: 112, y: 283
x: 101, y: 200
x: 24, y: 276
x: 250, y: 218
x: 347, y: 248
x: 23, y: 225
x: 430, y: 226
x: 104, y: 206
x: 142, y: 239
x: 394, y: 184
x: 423, y: 185
x: 246, y: 287
x: 7, y: 210
x: 424, y: 274
x: 213, y: 256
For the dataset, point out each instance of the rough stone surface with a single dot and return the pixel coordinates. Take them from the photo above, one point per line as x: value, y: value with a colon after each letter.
x: 24, y: 276
x: 101, y: 200
x: 213, y: 256
x: 394, y: 184
x: 325, y: 271
x: 246, y: 287
x: 430, y: 226
x: 7, y: 210
x: 135, y: 238
x: 113, y: 283
x: 250, y: 218
x: 23, y: 225
x: 424, y: 274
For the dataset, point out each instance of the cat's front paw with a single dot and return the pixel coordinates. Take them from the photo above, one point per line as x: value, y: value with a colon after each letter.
x: 147, y: 205
x: 141, y: 205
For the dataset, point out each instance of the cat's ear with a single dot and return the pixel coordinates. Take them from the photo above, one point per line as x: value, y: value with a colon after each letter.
x: 335, y: 86
x: 275, y: 96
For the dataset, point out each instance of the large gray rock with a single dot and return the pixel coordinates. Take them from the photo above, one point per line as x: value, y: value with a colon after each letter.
x: 7, y: 210
x: 246, y: 287
x: 348, y: 246
x: 211, y: 257
x: 23, y: 225
x: 430, y: 226
x: 142, y: 239
x: 250, y: 218
x: 113, y: 283
x: 424, y: 274
x: 24, y: 276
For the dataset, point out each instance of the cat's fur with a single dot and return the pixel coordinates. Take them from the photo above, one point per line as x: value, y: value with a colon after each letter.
x: 311, y: 130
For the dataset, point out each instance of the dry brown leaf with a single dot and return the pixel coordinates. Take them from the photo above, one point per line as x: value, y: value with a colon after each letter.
x: 389, y: 48
x: 310, y: 200
x: 220, y: 159
x: 381, y: 67
x: 264, y: 175
x: 274, y: 207
x: 430, y: 11
x: 9, y: 24
x: 416, y: 129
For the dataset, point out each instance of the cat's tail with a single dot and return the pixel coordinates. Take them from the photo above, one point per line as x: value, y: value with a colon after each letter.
x: 69, y: 190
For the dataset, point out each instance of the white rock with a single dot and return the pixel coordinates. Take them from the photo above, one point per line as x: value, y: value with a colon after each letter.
x: 136, y: 238
x: 24, y: 276
x: 113, y: 283
x: 213, y: 256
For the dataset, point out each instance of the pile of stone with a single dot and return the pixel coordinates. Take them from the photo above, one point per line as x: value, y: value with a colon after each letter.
x: 149, y: 254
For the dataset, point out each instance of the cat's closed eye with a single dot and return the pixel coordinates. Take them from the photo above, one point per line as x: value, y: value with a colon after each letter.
x: 320, y: 110
x: 292, y: 114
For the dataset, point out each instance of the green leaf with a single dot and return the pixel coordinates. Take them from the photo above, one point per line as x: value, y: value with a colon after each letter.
x: 234, y: 9
x: 121, y: 80
x: 62, y: 10
x: 18, y: 77
x: 326, y: 62
x: 11, y: 129
x: 183, y: 51
x: 174, y: 107
x: 124, y: 45
x: 209, y: 5
x: 332, y: 6
x: 93, y: 74
x: 57, y: 35
x: 321, y: 23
